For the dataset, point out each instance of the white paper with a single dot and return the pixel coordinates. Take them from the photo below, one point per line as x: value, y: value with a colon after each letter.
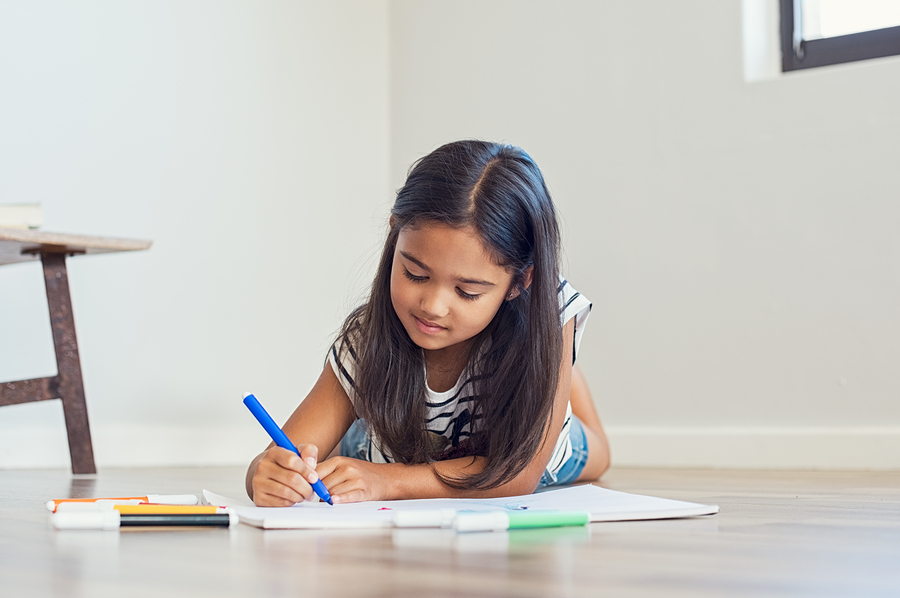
x: 217, y: 500
x: 602, y: 504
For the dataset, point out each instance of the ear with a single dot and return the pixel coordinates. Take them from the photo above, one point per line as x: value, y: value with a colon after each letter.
x: 526, y: 282
x: 526, y: 277
x: 391, y: 222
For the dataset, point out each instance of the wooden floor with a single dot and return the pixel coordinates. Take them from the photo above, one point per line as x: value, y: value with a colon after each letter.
x: 778, y: 534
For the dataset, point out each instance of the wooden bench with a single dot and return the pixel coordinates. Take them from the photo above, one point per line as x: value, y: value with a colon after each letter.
x: 52, y: 249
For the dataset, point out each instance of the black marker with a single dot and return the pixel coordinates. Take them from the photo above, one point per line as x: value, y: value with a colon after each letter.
x: 111, y: 519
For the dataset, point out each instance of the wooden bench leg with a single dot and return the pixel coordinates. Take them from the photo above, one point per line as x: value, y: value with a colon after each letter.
x: 68, y: 364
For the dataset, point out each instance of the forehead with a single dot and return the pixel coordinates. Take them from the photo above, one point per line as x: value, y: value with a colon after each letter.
x: 457, y: 250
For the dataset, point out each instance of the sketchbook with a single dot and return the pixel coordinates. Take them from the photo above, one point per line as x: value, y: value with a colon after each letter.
x: 602, y: 504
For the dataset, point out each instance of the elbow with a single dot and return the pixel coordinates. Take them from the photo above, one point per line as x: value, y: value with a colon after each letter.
x: 603, y: 461
x: 598, y: 461
x: 600, y: 468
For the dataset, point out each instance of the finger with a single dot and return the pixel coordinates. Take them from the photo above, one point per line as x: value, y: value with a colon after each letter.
x: 349, y: 494
x: 346, y: 486
x: 269, y: 500
x: 263, y: 499
x: 337, y: 471
x: 274, y: 493
x: 271, y: 476
x: 287, y: 459
x: 310, y: 454
x: 290, y: 460
x: 327, y: 467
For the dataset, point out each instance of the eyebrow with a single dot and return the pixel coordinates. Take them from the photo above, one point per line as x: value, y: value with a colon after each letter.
x: 419, y: 263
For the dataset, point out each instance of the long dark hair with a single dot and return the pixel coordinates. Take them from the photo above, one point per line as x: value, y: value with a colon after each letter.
x: 499, y: 191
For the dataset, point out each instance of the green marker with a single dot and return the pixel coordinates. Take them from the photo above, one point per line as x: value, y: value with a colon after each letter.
x: 495, y: 521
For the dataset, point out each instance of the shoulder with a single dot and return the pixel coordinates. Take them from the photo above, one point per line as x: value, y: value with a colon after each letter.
x: 343, y: 354
x: 572, y: 304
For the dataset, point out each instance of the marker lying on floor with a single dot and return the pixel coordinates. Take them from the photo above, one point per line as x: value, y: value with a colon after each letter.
x: 162, y: 499
x: 139, y: 509
x: 112, y: 519
x: 495, y: 521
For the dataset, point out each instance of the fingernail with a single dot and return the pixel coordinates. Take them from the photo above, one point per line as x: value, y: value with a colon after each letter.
x: 313, y: 478
x: 311, y: 462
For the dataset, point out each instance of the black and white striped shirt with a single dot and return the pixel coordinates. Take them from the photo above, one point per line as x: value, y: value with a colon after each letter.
x: 449, y: 413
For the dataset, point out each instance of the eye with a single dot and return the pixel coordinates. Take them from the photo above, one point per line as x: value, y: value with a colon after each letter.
x: 413, y: 277
x: 466, y: 295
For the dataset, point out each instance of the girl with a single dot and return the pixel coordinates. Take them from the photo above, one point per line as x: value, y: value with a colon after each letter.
x: 456, y: 378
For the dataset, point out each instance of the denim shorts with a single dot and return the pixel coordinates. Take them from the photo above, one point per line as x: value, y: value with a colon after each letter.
x: 574, y: 465
x: 355, y: 444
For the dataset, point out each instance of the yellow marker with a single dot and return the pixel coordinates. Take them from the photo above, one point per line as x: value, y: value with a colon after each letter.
x: 140, y: 509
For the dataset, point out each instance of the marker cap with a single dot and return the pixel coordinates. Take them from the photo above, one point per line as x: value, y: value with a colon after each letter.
x: 425, y: 518
x: 102, y: 520
x: 490, y: 521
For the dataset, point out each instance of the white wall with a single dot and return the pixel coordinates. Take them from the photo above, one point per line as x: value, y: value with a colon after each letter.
x: 235, y: 135
x: 738, y: 238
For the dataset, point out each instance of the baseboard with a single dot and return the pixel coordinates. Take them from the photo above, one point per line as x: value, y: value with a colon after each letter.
x: 132, y: 446
x: 30, y: 447
x: 748, y: 447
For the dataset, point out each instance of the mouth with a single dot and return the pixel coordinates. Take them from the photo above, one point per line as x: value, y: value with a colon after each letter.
x: 427, y: 327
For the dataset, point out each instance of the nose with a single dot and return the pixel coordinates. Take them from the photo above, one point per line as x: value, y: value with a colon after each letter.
x: 433, y: 303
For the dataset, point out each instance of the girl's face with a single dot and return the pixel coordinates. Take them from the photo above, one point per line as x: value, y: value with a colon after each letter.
x: 445, y: 287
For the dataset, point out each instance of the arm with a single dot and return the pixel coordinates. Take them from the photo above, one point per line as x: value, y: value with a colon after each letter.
x: 352, y: 480
x: 598, y: 447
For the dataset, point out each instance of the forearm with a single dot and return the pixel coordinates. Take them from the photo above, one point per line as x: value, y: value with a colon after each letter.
x: 598, y: 455
x: 424, y: 480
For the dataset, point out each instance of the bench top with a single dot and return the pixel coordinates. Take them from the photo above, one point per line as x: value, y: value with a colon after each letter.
x: 24, y: 245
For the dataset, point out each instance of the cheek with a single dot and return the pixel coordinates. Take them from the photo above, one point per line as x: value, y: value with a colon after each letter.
x: 397, y: 295
x: 481, y: 316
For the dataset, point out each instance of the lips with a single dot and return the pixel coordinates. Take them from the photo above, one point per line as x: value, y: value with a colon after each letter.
x: 428, y: 327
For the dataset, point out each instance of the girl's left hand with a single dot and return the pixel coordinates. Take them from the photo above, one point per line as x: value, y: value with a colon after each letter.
x: 354, y: 480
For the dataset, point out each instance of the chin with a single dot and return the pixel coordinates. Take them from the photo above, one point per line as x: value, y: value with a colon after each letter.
x: 427, y: 342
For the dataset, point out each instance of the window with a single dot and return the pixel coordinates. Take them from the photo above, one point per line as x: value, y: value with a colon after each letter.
x: 822, y: 32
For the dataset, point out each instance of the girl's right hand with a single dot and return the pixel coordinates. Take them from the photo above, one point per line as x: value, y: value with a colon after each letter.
x: 282, y: 478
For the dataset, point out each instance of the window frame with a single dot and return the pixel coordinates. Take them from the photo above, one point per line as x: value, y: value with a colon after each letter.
x: 798, y: 53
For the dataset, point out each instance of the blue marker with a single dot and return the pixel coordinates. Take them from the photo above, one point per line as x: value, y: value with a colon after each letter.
x: 281, y: 439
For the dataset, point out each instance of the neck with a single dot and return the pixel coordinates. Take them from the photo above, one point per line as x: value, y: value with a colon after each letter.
x: 444, y: 366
